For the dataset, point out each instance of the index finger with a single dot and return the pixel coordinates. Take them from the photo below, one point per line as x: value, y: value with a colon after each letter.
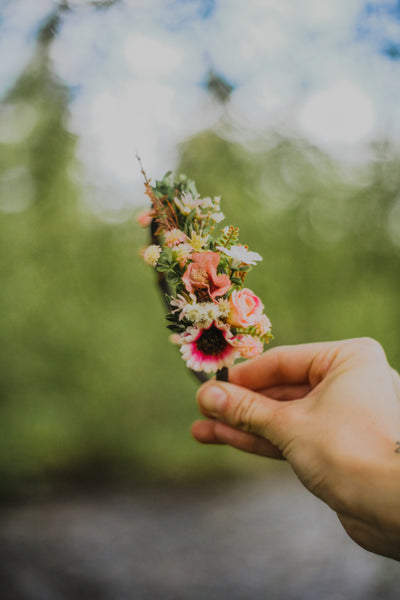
x: 300, y: 364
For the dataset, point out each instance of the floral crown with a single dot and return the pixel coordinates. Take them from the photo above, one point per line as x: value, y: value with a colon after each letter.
x: 214, y: 318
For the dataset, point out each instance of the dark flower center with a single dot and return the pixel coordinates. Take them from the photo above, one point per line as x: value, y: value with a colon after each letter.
x: 211, y: 342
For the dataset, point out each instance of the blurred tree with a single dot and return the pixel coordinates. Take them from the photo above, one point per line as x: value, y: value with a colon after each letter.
x: 83, y: 351
x: 218, y: 87
x: 88, y: 383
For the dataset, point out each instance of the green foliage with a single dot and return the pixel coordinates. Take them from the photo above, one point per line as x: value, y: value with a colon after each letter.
x: 169, y: 185
x: 174, y: 280
x: 175, y: 325
x: 165, y: 262
x: 89, y: 383
x: 229, y: 237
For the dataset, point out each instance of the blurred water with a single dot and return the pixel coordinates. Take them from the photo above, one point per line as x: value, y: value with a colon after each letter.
x: 260, y: 539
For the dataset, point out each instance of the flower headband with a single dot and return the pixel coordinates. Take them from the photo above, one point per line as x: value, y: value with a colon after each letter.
x: 214, y: 318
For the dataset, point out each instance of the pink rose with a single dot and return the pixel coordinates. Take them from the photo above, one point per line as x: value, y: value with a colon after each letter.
x: 246, y: 308
x: 201, y: 274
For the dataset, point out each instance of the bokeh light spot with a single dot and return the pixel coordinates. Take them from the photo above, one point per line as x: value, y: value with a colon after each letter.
x: 342, y: 113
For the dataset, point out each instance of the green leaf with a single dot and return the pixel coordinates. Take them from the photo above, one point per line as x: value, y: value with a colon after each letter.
x: 223, y: 267
x: 162, y: 268
x: 236, y: 281
x: 229, y: 239
x: 176, y: 328
x: 173, y: 278
x: 173, y: 318
x: 165, y: 262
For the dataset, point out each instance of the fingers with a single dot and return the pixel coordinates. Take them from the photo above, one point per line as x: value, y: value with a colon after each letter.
x: 246, y: 410
x: 205, y: 432
x: 215, y: 432
x: 304, y: 364
x: 396, y: 381
x: 286, y: 392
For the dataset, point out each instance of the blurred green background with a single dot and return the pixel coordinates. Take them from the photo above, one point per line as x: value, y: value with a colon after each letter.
x: 91, y: 389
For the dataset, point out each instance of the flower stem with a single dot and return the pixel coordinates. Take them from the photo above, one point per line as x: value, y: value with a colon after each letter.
x: 223, y: 374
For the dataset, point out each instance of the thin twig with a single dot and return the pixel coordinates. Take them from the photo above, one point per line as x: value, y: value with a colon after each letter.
x: 143, y: 172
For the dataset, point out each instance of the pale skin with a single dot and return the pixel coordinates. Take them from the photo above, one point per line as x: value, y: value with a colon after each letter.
x: 332, y: 410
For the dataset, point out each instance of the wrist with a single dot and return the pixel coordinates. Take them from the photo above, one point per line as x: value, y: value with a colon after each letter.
x: 380, y: 508
x: 387, y: 495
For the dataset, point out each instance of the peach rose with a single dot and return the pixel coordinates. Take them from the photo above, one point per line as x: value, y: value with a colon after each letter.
x: 248, y: 345
x: 263, y: 326
x: 201, y: 274
x: 246, y: 308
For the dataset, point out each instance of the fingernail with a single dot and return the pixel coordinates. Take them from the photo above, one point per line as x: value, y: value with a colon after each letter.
x: 212, y: 398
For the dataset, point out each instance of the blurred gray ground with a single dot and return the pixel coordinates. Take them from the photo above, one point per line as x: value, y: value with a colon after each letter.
x: 265, y: 539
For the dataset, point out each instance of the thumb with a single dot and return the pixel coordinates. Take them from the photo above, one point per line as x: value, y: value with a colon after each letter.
x: 246, y: 410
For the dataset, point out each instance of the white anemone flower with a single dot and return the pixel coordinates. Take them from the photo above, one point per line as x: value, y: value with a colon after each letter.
x: 180, y: 302
x: 187, y: 203
x: 239, y: 254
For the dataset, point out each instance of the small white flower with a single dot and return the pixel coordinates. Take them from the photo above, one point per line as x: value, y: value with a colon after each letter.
x: 202, y: 314
x: 209, y: 312
x: 197, y: 314
x: 239, y: 255
x: 224, y: 308
x: 181, y: 253
x: 207, y: 203
x: 192, y: 313
x: 151, y: 254
x: 217, y: 217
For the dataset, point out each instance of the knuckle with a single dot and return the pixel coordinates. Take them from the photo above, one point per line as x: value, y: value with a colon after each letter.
x: 369, y: 346
x: 369, y: 342
x: 244, y: 411
x: 290, y: 417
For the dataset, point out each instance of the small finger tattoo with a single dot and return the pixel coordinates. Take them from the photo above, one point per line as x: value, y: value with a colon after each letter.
x: 398, y: 448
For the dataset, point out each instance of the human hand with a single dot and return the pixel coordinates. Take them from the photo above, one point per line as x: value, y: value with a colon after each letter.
x: 332, y: 410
